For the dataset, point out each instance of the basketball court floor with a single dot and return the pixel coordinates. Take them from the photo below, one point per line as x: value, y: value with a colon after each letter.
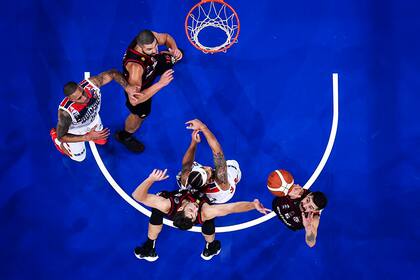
x: 269, y: 101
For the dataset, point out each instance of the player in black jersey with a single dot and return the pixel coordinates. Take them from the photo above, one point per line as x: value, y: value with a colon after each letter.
x: 301, y: 209
x: 142, y: 63
x: 186, y: 208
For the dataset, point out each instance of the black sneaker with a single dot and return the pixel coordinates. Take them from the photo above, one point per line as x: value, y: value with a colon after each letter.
x: 146, y: 254
x: 211, y: 250
x: 131, y: 143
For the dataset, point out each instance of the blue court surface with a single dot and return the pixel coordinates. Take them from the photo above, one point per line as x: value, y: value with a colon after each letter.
x: 268, y: 100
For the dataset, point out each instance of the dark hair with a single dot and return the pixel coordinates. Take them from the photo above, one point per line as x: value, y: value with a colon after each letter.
x: 320, y: 200
x: 195, y: 180
x: 70, y: 88
x: 182, y: 222
x: 145, y: 37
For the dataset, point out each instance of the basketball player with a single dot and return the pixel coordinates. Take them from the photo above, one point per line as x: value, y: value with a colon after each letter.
x: 219, y: 184
x: 78, y: 114
x: 142, y: 63
x: 186, y: 208
x: 301, y: 209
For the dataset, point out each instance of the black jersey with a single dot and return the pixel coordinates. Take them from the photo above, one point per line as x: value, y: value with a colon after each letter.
x: 288, y: 211
x: 178, y: 196
x: 147, y: 62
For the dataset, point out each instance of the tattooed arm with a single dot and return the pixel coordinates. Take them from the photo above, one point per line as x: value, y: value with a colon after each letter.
x: 311, y: 224
x: 63, y: 125
x: 107, y: 76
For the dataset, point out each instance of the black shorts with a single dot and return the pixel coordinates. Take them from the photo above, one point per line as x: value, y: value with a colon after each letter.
x: 142, y: 110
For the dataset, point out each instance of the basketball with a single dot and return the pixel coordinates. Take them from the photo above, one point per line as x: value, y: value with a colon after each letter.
x: 279, y: 182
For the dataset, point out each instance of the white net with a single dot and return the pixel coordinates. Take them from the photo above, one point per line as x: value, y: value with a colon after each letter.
x: 215, y: 15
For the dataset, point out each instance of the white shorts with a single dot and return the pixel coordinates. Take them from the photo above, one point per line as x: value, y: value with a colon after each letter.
x: 78, y: 149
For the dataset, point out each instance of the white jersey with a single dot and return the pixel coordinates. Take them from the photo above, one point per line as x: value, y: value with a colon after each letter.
x: 213, y: 191
x: 83, y: 115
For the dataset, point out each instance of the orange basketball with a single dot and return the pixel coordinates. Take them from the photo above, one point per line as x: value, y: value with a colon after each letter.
x: 280, y: 182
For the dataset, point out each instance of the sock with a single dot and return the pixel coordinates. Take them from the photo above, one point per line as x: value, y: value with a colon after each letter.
x: 150, y: 244
x: 124, y: 134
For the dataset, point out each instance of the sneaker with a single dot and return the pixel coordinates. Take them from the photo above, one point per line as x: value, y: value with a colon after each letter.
x: 100, y: 141
x: 131, y: 143
x: 146, y: 254
x: 53, y: 135
x: 211, y: 250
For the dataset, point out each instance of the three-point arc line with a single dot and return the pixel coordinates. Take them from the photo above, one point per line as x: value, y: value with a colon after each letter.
x: 244, y: 225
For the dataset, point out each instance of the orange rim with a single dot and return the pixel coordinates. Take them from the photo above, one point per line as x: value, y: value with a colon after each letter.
x: 218, y: 50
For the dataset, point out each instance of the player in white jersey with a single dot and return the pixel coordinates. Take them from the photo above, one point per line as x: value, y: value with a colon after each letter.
x: 78, y: 114
x: 219, y: 184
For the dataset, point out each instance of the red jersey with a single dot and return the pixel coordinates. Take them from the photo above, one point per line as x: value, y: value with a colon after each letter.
x: 147, y: 62
x: 177, y: 197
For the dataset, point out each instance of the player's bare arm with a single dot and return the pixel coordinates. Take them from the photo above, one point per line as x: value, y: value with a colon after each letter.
x: 169, y: 42
x: 141, y: 193
x: 107, y: 76
x: 216, y: 148
x: 188, y: 159
x: 213, y: 211
x: 64, y: 122
x: 311, y: 223
x: 135, y: 79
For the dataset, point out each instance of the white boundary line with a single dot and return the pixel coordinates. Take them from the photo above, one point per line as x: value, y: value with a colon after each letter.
x: 241, y: 226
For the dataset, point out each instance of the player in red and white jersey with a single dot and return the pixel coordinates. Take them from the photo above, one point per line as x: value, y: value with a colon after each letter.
x: 219, y: 184
x: 78, y: 114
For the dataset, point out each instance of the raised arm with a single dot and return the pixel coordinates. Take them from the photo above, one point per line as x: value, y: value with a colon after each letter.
x: 189, y: 157
x: 169, y: 42
x: 213, y: 211
x: 311, y: 224
x: 141, y: 193
x: 218, y: 156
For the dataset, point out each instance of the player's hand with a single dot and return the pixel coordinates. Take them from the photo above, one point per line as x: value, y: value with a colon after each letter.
x: 176, y: 53
x: 295, y: 192
x: 132, y: 90
x: 97, y: 135
x: 166, y: 77
x: 307, y: 220
x: 195, y: 136
x: 195, y: 124
x: 158, y: 175
x: 259, y: 207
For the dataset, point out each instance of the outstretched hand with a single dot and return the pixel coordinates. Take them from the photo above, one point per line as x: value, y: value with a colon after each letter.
x: 260, y: 208
x: 307, y: 220
x: 97, y: 135
x: 296, y: 191
x: 195, y: 124
x: 158, y: 175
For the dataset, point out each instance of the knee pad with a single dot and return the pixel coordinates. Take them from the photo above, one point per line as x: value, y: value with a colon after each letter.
x: 208, y: 227
x: 156, y: 218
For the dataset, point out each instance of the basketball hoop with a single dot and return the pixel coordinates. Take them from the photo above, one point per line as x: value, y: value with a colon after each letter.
x: 215, y: 14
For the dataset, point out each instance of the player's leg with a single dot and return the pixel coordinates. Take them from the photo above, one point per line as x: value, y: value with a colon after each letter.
x: 77, y: 150
x: 213, y: 246
x: 133, y: 122
x: 147, y: 250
